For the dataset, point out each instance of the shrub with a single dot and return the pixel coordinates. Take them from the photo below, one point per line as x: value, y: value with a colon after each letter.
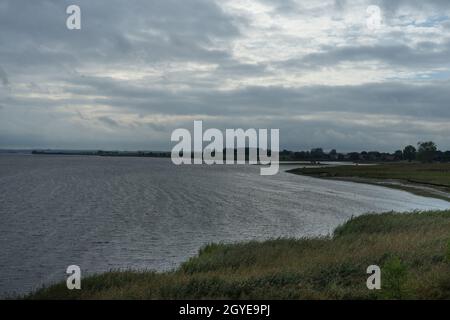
x: 393, y: 278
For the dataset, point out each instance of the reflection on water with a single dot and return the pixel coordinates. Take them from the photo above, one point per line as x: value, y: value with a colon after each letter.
x: 112, y: 213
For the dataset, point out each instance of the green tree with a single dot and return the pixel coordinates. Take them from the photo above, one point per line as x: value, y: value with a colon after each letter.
x: 317, y: 153
x: 409, y: 153
x: 398, y: 155
x: 426, y: 151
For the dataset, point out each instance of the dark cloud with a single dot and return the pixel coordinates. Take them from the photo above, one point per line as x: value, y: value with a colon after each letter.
x: 424, y: 55
x: 108, y: 121
x: 113, y: 30
x: 139, y: 69
x: 424, y: 100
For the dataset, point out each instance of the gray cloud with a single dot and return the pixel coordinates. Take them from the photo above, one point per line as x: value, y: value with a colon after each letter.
x: 113, y: 31
x: 4, y: 77
x: 108, y: 121
x: 392, y: 7
x: 435, y: 5
x: 425, y: 100
x: 139, y: 69
x: 424, y: 55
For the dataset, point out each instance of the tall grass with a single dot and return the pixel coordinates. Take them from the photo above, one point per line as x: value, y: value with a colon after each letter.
x: 412, y: 249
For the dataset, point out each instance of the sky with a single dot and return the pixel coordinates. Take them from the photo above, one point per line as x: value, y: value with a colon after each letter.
x: 137, y: 70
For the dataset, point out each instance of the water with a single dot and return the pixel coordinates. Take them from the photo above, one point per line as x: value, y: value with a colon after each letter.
x: 114, y: 213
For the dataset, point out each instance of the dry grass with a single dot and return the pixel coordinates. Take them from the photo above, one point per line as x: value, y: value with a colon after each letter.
x: 413, y: 251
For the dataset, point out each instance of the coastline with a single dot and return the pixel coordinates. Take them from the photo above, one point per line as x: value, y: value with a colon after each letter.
x: 412, y: 249
x: 352, y: 174
x: 413, y: 246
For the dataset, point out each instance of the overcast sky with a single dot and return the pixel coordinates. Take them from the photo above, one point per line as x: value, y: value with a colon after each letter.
x: 137, y: 70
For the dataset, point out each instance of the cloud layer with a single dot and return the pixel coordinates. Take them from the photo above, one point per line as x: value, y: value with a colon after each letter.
x: 139, y: 69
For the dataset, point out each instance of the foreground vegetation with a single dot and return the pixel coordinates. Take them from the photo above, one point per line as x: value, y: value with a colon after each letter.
x: 419, y: 178
x: 412, y: 249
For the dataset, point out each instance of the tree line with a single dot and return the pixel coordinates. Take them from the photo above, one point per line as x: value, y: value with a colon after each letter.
x: 424, y: 152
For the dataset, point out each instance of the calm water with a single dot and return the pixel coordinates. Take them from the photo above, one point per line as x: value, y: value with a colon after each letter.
x: 114, y: 213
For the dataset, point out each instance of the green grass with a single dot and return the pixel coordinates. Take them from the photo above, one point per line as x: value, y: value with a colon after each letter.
x: 437, y: 174
x: 413, y: 251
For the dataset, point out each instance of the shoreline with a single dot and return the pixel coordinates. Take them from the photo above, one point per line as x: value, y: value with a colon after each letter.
x: 412, y: 249
x: 326, y: 267
x: 420, y: 188
x: 414, y: 188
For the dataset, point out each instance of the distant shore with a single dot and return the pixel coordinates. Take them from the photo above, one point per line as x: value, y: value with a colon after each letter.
x: 152, y: 154
x: 429, y: 179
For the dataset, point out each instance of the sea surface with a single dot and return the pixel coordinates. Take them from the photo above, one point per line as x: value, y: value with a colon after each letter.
x: 111, y: 213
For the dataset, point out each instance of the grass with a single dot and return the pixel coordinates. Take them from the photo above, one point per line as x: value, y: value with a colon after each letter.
x: 412, y: 249
x: 437, y: 174
x: 431, y: 179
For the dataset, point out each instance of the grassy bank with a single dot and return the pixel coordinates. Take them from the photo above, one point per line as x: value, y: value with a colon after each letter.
x: 423, y: 179
x: 413, y: 251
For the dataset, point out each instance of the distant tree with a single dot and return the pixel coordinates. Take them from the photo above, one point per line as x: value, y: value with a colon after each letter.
x: 439, y: 156
x: 409, y: 153
x: 353, y: 156
x: 426, y: 151
x: 317, y: 153
x: 384, y: 156
x: 374, y: 155
x: 398, y: 155
x: 300, y: 155
x: 447, y: 156
x: 333, y: 154
x: 364, y: 155
x: 285, y: 155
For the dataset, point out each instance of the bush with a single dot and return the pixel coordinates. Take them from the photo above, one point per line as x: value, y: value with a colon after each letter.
x: 393, y: 278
